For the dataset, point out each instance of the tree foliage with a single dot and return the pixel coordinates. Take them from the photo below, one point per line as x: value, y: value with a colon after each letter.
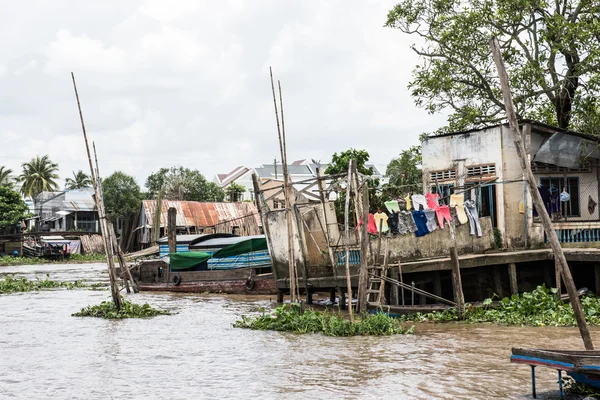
x: 122, y: 195
x: 550, y: 49
x: 80, y: 180
x: 12, y: 208
x: 39, y: 175
x: 178, y: 183
x: 404, y: 173
x: 234, y: 192
x: 339, y: 162
x: 5, y: 176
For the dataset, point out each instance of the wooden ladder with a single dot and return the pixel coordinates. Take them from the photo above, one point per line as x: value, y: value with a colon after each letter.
x: 375, y: 294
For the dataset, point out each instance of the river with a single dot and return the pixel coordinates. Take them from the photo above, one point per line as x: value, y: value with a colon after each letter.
x: 197, y: 354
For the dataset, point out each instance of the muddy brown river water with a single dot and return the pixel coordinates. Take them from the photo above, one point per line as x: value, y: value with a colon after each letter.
x: 197, y: 354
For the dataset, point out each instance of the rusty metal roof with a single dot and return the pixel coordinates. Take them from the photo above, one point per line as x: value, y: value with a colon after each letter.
x: 193, y: 213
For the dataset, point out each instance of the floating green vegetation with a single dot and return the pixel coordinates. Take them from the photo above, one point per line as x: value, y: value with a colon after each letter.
x: 74, y: 258
x: 12, y: 284
x: 108, y: 310
x: 582, y: 389
x: 541, y: 307
x: 293, y: 319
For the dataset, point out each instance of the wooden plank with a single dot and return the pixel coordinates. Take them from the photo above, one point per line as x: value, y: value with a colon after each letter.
x: 512, y: 277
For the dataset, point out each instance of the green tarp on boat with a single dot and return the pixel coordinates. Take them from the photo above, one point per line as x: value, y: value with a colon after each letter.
x: 188, y: 260
x: 243, y: 247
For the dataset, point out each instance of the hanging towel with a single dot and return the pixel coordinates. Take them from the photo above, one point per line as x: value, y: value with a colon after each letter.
x: 419, y: 199
x: 371, y: 227
x: 473, y: 217
x: 430, y: 215
x: 433, y: 200
x: 408, y: 220
x: 443, y: 213
x: 392, y: 206
x: 380, y: 216
x: 458, y: 201
x: 421, y: 222
x: 408, y: 202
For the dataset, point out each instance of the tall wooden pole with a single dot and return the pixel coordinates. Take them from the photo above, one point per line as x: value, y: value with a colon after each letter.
x: 347, y: 238
x: 537, y: 198
x: 325, y: 205
x: 363, y: 276
x: 290, y: 231
x: 112, y: 272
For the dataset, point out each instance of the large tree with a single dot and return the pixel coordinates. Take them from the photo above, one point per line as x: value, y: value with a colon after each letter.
x: 79, y: 180
x: 5, y: 176
x: 551, y: 51
x: 178, y: 183
x: 122, y: 196
x: 404, y: 173
x: 39, y: 175
x: 12, y: 208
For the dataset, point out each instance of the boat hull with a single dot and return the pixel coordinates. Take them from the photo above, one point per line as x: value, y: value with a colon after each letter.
x: 232, y: 286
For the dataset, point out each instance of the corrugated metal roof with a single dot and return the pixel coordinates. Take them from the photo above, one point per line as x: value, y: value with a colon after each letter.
x: 193, y: 213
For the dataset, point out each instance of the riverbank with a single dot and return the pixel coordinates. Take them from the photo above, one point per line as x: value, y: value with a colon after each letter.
x: 7, y: 261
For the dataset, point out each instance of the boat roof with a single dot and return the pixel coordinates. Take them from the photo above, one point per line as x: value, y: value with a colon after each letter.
x: 225, y: 241
x: 192, y: 239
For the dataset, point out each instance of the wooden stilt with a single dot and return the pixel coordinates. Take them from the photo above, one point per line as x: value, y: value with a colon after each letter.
x: 332, y: 295
x: 497, y: 279
x: 459, y: 298
x: 343, y: 300
x: 437, y: 283
x: 280, y: 293
x: 363, y: 277
x: 347, y: 239
x: 557, y: 279
x: 537, y: 198
x: 512, y: 276
x: 309, y: 296
x: 597, y: 279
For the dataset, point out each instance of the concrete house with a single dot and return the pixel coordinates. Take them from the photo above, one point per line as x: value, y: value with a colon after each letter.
x: 483, y: 164
x: 71, y: 210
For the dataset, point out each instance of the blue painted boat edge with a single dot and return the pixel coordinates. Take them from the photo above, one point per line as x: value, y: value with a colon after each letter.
x: 585, y: 378
x: 542, y: 362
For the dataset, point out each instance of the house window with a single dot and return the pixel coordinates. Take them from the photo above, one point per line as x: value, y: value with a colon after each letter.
x: 541, y: 168
x: 445, y: 191
x: 439, y: 175
x: 480, y: 170
x: 555, y: 187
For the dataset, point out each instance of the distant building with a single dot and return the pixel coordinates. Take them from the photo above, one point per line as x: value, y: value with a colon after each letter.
x: 70, y: 210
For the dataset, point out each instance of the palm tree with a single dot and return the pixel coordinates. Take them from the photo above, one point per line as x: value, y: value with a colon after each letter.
x: 39, y: 175
x: 5, y: 178
x: 80, y: 180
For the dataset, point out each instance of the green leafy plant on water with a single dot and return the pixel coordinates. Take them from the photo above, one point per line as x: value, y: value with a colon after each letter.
x: 12, y: 284
x: 107, y: 310
x: 293, y: 319
x: 572, y: 387
x: 540, y: 307
x: 74, y: 258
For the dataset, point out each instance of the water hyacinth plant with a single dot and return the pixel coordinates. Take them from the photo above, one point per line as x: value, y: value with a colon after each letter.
x: 107, y: 310
x: 292, y: 319
x: 540, y: 307
x: 12, y: 284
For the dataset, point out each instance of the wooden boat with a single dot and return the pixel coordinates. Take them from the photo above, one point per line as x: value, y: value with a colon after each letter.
x: 581, y: 365
x: 233, y: 264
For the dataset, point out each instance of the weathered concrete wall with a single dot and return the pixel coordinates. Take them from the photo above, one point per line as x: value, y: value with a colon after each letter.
x: 278, y: 244
x: 436, y: 244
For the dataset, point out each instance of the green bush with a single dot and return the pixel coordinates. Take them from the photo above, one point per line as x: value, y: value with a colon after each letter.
x: 541, y: 307
x: 293, y: 319
x: 108, y: 310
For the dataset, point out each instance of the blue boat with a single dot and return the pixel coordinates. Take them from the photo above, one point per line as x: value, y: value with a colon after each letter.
x: 581, y: 365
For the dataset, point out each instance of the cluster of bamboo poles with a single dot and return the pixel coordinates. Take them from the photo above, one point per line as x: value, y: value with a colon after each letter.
x: 108, y: 232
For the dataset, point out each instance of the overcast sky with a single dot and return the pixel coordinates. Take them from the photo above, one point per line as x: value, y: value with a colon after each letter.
x: 168, y: 83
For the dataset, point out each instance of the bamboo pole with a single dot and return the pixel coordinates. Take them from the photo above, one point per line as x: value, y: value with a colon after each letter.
x: 325, y: 205
x: 363, y: 277
x: 112, y: 273
x: 536, y: 197
x: 294, y: 295
x: 347, y: 239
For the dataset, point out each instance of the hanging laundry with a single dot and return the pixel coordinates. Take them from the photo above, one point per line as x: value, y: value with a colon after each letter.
x: 458, y: 201
x: 554, y: 201
x: 419, y: 199
x: 430, y: 215
x: 565, y: 196
x: 371, y: 227
x: 591, y: 204
x: 433, y: 200
x: 421, y: 222
x: 392, y: 206
x: 443, y: 213
x: 381, y: 218
x: 393, y: 223
x: 473, y: 217
x: 408, y: 203
x: 545, y: 198
x: 407, y: 219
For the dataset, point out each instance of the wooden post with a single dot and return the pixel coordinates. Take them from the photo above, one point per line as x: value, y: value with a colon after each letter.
x: 378, y: 254
x: 325, y: 205
x: 497, y: 278
x: 512, y: 276
x: 384, y: 272
x: 400, y: 278
x: 597, y: 278
x: 343, y: 302
x: 536, y: 197
x: 112, y: 272
x: 172, y: 230
x: 363, y: 277
x: 459, y: 298
x: 557, y: 275
x: 347, y: 239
